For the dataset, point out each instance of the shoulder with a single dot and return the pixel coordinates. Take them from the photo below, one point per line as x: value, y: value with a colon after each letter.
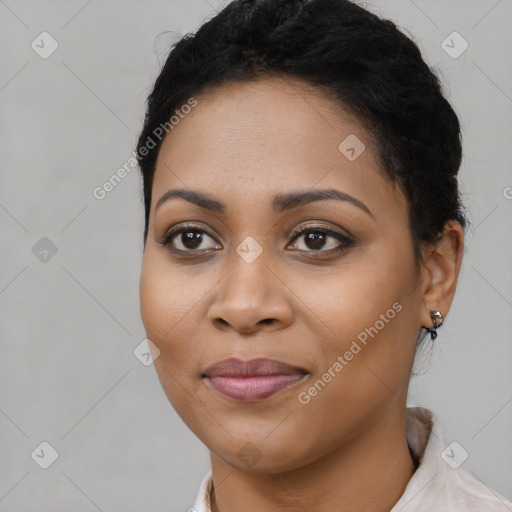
x: 438, y: 486
x: 458, y: 490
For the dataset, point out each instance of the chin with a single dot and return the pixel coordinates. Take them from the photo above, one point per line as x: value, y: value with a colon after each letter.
x: 259, y: 454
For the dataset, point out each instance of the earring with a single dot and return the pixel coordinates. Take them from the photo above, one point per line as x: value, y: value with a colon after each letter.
x: 437, y: 320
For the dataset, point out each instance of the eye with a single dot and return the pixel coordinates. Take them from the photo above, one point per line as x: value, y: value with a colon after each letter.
x: 320, y: 239
x: 192, y: 238
x: 188, y: 238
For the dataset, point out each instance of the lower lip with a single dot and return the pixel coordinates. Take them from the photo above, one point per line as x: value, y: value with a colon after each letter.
x: 250, y: 389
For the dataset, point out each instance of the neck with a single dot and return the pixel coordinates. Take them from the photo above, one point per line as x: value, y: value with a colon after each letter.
x: 371, y: 473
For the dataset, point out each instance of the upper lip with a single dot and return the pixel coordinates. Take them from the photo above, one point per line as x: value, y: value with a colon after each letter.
x: 234, y: 367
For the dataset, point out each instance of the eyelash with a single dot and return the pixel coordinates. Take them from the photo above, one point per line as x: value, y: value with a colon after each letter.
x: 345, y: 242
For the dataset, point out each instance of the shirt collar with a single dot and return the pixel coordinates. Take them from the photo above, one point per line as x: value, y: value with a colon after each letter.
x: 425, y: 441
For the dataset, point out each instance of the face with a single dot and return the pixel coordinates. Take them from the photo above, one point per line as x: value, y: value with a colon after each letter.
x: 327, y: 287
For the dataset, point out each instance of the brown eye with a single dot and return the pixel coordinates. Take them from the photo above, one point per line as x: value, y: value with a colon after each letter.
x: 320, y: 239
x: 189, y: 238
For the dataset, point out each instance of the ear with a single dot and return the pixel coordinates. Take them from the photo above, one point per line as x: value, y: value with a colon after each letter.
x: 441, y: 266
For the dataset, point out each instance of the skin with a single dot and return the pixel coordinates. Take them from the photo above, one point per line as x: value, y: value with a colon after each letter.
x: 243, y: 144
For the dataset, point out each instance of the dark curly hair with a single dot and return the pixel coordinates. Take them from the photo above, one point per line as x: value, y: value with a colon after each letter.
x: 359, y: 60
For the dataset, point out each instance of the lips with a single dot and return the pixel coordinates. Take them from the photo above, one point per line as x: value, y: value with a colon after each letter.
x: 252, y: 380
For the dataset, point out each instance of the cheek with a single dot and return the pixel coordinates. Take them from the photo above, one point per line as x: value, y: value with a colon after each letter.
x: 164, y: 304
x: 350, y: 299
x: 167, y: 296
x: 366, y: 314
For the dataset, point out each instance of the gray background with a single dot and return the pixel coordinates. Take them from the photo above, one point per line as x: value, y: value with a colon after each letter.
x: 69, y: 324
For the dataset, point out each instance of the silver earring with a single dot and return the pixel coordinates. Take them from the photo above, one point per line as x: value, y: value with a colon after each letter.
x: 437, y: 320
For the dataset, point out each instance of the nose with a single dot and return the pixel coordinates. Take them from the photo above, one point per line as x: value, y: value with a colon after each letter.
x: 250, y: 298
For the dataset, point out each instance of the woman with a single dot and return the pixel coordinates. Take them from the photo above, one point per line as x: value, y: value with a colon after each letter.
x: 304, y: 232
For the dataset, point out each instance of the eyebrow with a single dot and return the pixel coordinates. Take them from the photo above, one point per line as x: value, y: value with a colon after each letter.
x: 281, y: 202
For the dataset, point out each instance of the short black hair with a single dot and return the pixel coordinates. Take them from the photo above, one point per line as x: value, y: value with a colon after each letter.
x: 362, y: 61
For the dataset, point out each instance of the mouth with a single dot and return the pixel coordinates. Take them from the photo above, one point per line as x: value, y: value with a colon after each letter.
x: 252, y: 380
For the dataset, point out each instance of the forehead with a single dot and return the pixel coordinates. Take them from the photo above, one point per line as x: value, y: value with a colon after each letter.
x: 251, y: 140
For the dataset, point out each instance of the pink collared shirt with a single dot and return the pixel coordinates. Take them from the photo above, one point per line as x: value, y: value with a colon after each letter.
x: 439, y: 484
